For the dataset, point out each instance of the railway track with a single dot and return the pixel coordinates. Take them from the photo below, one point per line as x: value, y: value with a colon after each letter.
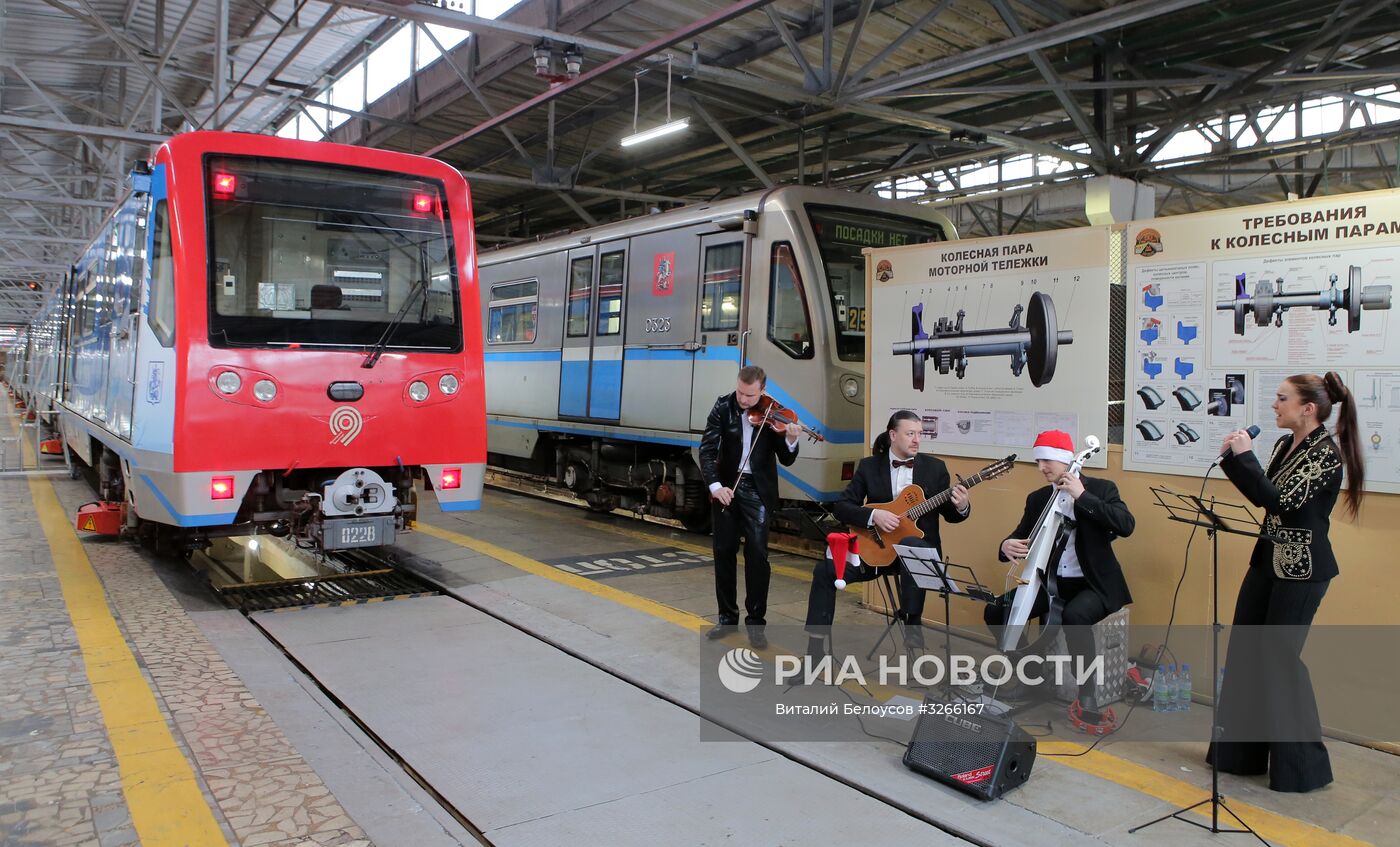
x: 530, y: 485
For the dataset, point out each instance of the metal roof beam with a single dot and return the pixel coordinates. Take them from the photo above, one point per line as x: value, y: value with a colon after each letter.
x: 708, y: 22
x: 813, y: 81
x: 82, y: 130
x: 32, y: 197
x: 43, y: 239
x: 1076, y: 114
x: 503, y: 179
x: 1113, y: 18
x: 523, y: 33
x: 729, y: 141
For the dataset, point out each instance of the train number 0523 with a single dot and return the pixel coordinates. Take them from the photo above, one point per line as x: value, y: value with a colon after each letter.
x: 658, y: 325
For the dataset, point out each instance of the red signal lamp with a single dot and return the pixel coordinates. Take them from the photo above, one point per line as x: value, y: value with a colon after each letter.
x: 423, y: 203
x: 225, y: 184
x: 451, y: 478
x: 221, y: 488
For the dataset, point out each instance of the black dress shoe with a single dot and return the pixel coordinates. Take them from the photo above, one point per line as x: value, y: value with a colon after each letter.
x: 720, y: 630
x: 914, y: 636
x: 757, y: 637
x: 1019, y: 692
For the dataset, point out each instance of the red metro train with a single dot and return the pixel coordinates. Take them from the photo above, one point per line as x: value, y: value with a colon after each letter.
x: 273, y: 336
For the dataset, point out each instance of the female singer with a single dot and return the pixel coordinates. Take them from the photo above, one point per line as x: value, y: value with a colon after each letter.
x: 1285, y: 584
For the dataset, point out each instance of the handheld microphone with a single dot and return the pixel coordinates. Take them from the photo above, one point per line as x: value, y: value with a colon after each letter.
x: 1253, y: 431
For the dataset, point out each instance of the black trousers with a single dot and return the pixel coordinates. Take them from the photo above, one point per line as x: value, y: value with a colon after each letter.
x: 1082, y: 609
x: 749, y: 518
x: 821, y: 597
x: 1278, y: 700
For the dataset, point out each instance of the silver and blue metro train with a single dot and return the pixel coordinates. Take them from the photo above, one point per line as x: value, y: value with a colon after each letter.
x: 606, y: 348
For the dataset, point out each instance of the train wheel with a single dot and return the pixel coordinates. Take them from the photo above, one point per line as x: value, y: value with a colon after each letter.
x: 697, y: 521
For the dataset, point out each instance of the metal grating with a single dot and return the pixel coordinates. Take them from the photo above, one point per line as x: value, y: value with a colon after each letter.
x: 1117, y: 330
x: 369, y: 586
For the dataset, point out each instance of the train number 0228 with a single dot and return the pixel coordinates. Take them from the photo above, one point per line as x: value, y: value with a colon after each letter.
x: 358, y: 534
x: 658, y: 325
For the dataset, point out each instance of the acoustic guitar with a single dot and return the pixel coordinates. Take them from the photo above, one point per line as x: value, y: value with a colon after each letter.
x: 877, y: 547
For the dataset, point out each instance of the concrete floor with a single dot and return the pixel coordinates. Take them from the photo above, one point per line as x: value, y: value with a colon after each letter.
x: 276, y: 762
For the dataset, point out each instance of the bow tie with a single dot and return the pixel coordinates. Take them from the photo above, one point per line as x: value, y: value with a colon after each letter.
x: 905, y: 464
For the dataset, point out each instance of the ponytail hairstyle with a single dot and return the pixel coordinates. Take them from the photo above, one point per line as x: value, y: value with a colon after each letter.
x: 1325, y: 392
x: 882, y: 441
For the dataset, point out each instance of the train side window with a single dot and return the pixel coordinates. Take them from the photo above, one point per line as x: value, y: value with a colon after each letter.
x: 722, y: 285
x: 512, y: 312
x: 789, y: 325
x: 136, y: 241
x: 161, y: 316
x: 610, y: 271
x: 580, y: 296
x: 87, y: 306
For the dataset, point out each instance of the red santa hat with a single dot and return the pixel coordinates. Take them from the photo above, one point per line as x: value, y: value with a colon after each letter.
x: 841, y: 547
x: 1054, y: 444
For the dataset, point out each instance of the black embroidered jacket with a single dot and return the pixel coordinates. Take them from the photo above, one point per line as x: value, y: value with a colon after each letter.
x: 1297, y: 495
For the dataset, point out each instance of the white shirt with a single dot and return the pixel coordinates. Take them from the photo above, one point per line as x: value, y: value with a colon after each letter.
x: 900, y: 478
x: 1069, y: 559
x: 747, y: 429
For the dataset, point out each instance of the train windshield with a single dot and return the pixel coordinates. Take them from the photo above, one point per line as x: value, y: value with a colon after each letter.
x: 316, y: 255
x: 841, y: 234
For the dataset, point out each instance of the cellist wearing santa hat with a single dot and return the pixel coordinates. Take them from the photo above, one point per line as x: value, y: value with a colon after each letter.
x: 1086, y: 577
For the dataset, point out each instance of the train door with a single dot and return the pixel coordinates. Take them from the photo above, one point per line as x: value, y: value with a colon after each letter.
x: 130, y: 277
x: 719, y: 321
x: 590, y: 376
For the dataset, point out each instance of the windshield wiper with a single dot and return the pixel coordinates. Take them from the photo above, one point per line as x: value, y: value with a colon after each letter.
x: 421, y: 284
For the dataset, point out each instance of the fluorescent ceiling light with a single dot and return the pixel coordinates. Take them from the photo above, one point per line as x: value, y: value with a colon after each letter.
x: 655, y: 132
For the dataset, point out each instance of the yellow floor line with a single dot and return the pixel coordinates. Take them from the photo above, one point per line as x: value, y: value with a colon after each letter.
x: 162, y: 794
x: 1278, y: 829
x: 671, y: 614
x: 1274, y: 827
x: 799, y: 574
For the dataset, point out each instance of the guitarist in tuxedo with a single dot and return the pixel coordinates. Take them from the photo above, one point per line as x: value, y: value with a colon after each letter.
x: 895, y: 463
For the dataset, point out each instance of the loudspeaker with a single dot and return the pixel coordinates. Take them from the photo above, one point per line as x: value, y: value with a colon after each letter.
x: 983, y: 755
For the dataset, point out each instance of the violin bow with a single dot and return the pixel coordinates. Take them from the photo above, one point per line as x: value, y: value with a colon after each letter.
x: 748, y: 449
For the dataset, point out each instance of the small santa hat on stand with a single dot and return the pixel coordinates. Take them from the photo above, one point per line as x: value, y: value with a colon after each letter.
x: 1054, y: 444
x: 841, y: 548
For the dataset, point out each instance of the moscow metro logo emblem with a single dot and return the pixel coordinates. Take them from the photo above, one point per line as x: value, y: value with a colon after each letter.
x: 345, y: 423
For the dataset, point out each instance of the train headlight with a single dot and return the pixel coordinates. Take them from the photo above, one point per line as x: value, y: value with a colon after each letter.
x: 448, y: 384
x: 850, y: 387
x: 418, y: 390
x: 229, y: 382
x: 265, y: 390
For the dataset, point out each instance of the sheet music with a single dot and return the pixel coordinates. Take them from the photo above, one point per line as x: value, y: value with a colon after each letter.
x: 925, y: 565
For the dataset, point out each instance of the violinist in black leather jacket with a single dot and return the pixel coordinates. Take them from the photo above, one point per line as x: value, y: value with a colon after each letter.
x: 740, y: 464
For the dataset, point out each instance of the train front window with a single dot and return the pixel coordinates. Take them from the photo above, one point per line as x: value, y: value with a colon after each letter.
x: 841, y: 236
x: 323, y: 256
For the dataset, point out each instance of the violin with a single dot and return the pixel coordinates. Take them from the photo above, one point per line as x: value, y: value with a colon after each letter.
x: 769, y: 412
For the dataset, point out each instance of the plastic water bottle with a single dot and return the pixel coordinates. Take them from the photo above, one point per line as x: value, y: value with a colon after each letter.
x: 1171, y: 688
x: 1183, y: 689
x: 1160, y: 695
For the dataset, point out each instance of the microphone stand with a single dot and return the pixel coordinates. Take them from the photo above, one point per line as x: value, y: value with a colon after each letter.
x: 1205, y: 514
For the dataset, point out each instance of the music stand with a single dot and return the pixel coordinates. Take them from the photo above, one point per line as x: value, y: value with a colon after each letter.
x: 1215, y: 517
x: 930, y: 572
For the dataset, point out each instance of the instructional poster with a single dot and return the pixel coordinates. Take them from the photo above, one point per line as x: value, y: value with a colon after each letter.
x: 992, y: 340
x: 1224, y: 305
